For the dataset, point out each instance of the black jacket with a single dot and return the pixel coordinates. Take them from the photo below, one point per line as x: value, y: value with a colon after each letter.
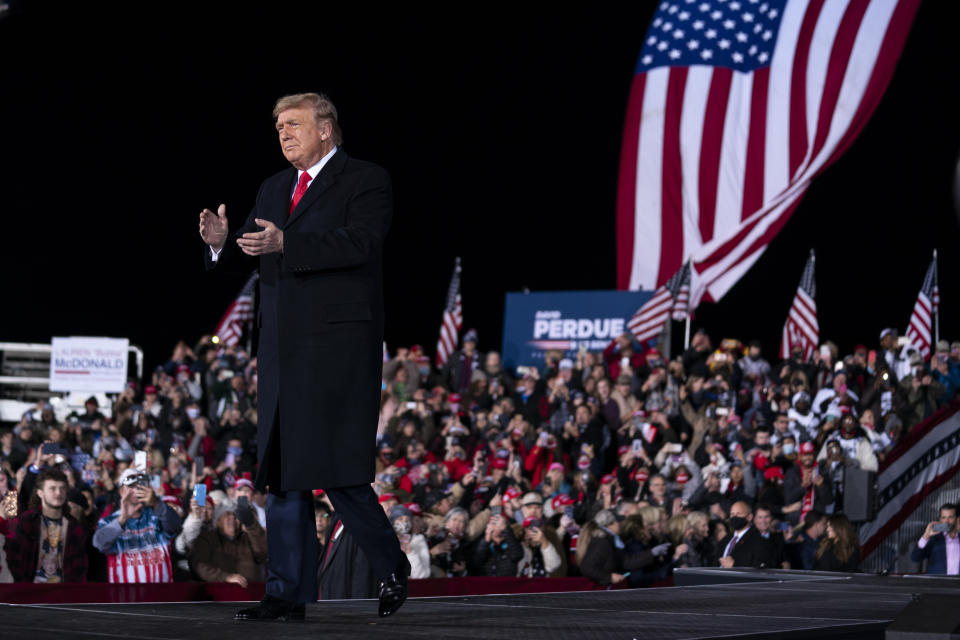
x: 321, y: 321
x: 343, y: 570
x: 752, y: 550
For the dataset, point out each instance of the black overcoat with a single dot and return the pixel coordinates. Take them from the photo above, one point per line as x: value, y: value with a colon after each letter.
x: 319, y: 362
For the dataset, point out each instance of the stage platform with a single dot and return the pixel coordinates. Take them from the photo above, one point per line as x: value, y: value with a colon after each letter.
x: 708, y: 603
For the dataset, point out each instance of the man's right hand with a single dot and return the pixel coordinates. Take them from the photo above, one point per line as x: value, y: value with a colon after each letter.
x: 214, y: 226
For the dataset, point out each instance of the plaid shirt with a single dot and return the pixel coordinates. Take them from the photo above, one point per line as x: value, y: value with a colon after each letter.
x: 23, y: 548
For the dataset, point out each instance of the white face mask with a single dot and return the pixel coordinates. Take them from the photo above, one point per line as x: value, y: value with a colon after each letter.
x: 193, y: 413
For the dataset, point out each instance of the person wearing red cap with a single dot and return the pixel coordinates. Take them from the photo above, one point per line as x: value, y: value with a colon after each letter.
x: 544, y: 453
x: 804, y: 484
x: 620, y: 356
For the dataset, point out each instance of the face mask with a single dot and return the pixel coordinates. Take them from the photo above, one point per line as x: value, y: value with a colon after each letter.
x: 424, y: 371
x: 789, y: 449
x: 193, y: 413
x: 235, y: 450
x: 738, y: 523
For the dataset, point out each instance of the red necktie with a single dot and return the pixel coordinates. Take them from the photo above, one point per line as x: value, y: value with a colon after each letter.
x: 333, y: 536
x: 300, y: 190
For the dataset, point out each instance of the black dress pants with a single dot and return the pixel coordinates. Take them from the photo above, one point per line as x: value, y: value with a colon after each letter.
x: 292, y: 533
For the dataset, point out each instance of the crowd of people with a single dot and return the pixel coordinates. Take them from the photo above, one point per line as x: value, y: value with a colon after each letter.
x: 618, y: 466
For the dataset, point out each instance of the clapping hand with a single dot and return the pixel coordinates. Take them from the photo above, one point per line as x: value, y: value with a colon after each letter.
x: 213, y: 227
x: 258, y: 243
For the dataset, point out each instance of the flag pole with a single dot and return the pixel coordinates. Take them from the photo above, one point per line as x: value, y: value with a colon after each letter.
x: 686, y: 334
x: 936, y: 313
x: 666, y: 338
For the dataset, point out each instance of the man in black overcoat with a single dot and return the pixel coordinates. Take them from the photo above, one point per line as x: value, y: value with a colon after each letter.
x: 317, y: 232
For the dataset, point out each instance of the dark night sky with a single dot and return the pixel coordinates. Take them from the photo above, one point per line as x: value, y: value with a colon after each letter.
x: 501, y: 132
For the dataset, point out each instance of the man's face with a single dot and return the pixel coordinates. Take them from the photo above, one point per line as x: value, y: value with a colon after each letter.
x: 781, y: 423
x: 947, y: 516
x: 245, y: 491
x: 740, y: 510
x: 658, y: 486
x: 583, y: 414
x: 762, y: 520
x: 532, y: 511
x: 762, y: 439
x: 53, y: 494
x: 302, y: 140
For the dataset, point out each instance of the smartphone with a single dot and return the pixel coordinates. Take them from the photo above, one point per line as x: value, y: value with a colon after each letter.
x: 636, y: 446
x: 568, y: 511
x: 723, y: 411
x: 496, y: 511
x: 229, y: 459
x: 783, y: 526
x: 411, y: 405
x: 941, y: 527
x: 244, y: 512
x: 200, y: 494
x: 140, y: 460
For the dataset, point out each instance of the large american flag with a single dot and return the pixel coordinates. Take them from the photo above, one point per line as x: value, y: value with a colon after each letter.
x: 452, y: 320
x: 669, y: 300
x: 920, y: 331
x: 239, y: 314
x: 735, y: 107
x: 801, y: 328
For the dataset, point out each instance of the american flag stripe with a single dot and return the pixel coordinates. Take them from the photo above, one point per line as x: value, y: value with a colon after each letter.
x: 801, y: 328
x: 920, y: 329
x: 669, y: 300
x: 238, y: 315
x: 452, y: 320
x: 716, y: 158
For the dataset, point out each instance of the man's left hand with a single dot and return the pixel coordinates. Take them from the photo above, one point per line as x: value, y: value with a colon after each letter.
x: 270, y: 240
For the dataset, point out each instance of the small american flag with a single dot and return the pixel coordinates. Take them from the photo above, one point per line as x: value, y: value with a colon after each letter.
x: 920, y: 331
x: 239, y: 314
x: 452, y: 319
x: 670, y: 299
x: 801, y: 328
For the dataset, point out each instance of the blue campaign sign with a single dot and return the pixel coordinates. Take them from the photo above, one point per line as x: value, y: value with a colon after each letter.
x: 536, y: 322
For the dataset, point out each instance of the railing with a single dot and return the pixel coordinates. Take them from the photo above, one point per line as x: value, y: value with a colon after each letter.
x: 917, y: 478
x: 893, y: 554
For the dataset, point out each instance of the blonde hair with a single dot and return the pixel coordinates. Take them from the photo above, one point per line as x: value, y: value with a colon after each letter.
x: 587, y: 533
x: 321, y: 105
x: 677, y: 526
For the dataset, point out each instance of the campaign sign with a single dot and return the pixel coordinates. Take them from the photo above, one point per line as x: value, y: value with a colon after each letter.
x: 534, y: 323
x: 88, y: 364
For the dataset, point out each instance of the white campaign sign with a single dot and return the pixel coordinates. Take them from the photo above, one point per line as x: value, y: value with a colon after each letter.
x: 88, y: 364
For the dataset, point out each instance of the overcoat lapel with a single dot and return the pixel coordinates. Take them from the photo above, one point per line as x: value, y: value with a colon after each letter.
x: 320, y: 184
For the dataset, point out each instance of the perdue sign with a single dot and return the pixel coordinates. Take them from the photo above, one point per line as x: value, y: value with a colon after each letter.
x: 88, y: 364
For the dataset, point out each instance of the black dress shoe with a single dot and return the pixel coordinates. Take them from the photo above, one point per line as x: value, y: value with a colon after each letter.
x: 393, y: 590
x: 271, y: 608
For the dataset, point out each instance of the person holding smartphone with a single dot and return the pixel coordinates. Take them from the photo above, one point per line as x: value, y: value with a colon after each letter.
x: 940, y: 545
